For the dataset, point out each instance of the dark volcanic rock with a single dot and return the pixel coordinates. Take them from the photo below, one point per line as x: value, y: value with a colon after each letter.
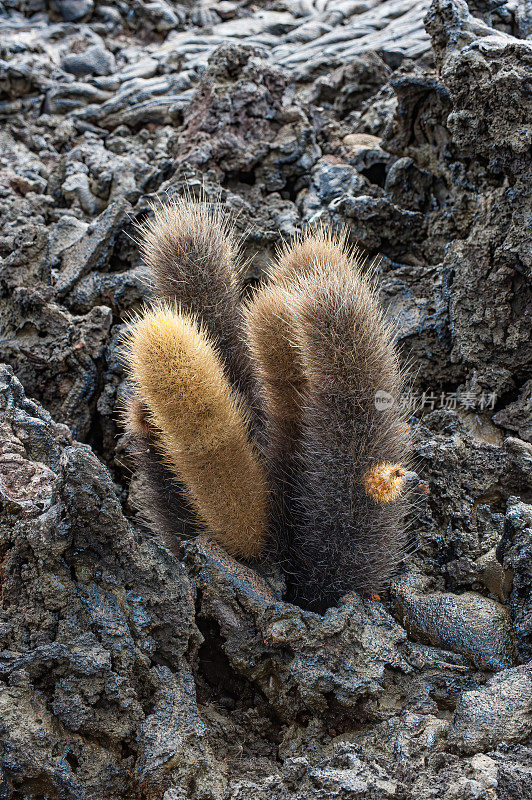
x: 95, y: 60
x: 86, y: 703
x: 238, y: 121
x: 72, y: 10
x: 499, y: 712
x: 514, y: 552
x: 127, y: 671
x: 99, y: 669
x: 487, y: 77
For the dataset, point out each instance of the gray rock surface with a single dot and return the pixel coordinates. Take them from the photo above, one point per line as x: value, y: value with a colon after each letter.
x: 513, y: 552
x: 85, y: 631
x: 128, y: 671
x: 476, y: 626
x: 501, y: 711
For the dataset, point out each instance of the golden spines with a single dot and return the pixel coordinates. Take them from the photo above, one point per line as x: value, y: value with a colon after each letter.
x: 315, y: 250
x: 269, y: 330
x: 194, y: 260
x: 324, y: 350
x: 134, y: 416
x: 314, y: 276
x: 384, y: 482
x: 201, y: 428
x: 184, y: 239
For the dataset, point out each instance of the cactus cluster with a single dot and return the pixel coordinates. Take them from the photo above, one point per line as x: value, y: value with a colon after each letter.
x: 255, y: 418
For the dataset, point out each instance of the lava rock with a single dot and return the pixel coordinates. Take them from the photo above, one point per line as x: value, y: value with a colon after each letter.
x: 85, y: 672
x: 72, y: 10
x: 95, y: 60
x: 501, y: 711
x: 129, y: 671
x: 513, y: 551
x: 468, y: 623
